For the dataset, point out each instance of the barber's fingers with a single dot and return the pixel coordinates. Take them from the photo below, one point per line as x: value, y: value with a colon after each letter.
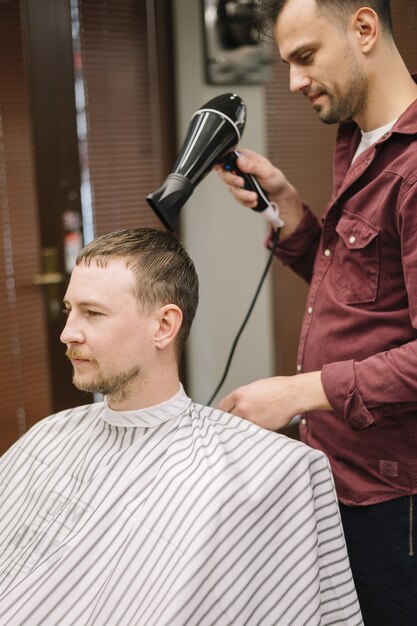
x: 236, y: 403
x: 247, y: 198
x: 228, y: 177
x: 251, y: 162
x: 228, y: 403
x: 236, y: 187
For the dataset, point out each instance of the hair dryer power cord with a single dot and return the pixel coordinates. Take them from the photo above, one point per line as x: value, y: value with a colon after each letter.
x: 247, y: 316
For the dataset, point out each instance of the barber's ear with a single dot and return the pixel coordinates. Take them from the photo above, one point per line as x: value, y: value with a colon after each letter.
x: 366, y: 28
x: 169, y: 319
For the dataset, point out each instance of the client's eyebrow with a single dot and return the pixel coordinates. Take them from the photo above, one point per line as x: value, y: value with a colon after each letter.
x: 85, y: 304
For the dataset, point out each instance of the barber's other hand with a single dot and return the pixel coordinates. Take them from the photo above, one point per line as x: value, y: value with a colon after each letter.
x: 272, y: 180
x: 272, y: 402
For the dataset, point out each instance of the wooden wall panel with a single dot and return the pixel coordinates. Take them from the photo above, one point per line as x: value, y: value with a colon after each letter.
x: 25, y: 391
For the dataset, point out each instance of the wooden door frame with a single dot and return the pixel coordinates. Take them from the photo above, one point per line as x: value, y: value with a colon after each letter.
x: 48, y: 38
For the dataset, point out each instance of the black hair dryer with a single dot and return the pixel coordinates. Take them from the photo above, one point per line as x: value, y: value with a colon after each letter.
x: 213, y: 131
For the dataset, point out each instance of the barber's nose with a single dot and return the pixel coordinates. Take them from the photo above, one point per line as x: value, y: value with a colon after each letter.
x: 71, y: 333
x: 299, y: 79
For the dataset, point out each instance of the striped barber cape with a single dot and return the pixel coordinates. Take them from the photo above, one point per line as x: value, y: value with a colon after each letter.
x: 174, y: 515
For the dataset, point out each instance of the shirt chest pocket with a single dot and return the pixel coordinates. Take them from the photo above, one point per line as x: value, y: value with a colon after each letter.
x: 356, y: 260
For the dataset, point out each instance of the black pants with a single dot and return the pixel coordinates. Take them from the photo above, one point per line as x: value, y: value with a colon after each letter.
x: 382, y: 547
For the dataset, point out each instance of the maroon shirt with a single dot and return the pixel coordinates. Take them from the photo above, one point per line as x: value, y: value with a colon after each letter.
x: 360, y: 326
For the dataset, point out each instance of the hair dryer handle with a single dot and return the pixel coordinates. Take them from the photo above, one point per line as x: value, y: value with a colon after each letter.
x: 269, y: 210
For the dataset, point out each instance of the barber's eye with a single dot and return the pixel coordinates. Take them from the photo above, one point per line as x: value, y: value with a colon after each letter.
x: 306, y: 58
x: 93, y: 313
x: 65, y: 312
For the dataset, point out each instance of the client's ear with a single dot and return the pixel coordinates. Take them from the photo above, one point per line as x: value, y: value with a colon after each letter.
x: 169, y: 323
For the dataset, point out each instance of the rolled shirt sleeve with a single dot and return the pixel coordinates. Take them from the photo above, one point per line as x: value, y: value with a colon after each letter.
x: 341, y: 389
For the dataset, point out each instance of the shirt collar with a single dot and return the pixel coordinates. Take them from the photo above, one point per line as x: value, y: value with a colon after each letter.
x: 151, y: 416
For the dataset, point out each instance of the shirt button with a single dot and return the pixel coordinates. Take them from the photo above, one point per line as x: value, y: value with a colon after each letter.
x: 352, y: 239
x: 299, y: 367
x: 327, y: 252
x: 310, y: 310
x: 303, y: 421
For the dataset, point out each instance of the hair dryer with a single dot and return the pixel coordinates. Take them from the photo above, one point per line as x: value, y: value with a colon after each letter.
x: 213, y: 131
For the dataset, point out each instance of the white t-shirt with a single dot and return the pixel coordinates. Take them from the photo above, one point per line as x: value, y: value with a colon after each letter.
x: 371, y: 137
x: 177, y: 514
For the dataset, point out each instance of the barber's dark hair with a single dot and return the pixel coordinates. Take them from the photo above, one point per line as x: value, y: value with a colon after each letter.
x: 164, y: 272
x: 269, y: 10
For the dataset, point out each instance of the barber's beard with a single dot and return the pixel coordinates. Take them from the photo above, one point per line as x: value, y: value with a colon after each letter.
x: 345, y: 101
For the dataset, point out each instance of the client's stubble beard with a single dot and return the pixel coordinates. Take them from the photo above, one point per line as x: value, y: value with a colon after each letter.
x: 117, y: 385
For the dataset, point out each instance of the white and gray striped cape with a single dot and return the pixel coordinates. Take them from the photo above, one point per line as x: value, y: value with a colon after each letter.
x: 179, y: 514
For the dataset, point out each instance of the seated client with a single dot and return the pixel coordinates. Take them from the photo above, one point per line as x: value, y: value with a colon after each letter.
x: 147, y: 508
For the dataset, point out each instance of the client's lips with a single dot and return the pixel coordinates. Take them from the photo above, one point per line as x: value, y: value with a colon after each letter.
x: 78, y: 363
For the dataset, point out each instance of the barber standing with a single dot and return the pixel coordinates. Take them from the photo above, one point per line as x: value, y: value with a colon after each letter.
x: 356, y: 386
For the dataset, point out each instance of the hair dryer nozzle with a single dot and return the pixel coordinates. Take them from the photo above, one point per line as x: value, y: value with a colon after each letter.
x: 167, y: 201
